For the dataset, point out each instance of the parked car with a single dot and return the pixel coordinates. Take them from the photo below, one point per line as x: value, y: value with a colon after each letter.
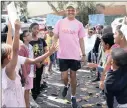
x: 4, y: 21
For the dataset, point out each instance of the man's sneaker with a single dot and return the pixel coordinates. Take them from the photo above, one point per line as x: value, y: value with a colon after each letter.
x: 64, y: 93
x: 74, y: 103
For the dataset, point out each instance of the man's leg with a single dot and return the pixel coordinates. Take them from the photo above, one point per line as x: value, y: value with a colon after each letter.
x: 65, y: 81
x: 63, y: 63
x: 74, y: 66
x: 73, y: 82
x: 65, y: 77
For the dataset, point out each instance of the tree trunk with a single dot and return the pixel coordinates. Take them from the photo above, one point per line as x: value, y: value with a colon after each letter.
x: 53, y: 8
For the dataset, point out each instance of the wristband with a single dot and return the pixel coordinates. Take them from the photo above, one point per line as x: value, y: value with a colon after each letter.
x: 84, y: 55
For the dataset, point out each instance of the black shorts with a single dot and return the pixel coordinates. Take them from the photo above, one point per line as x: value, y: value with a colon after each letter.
x: 66, y: 64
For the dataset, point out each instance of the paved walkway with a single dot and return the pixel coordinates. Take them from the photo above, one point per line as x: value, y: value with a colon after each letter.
x: 87, y: 92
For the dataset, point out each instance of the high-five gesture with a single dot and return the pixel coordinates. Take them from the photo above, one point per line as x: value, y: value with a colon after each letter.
x: 53, y: 48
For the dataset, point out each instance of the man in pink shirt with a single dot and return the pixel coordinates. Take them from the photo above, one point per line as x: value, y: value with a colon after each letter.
x: 70, y: 33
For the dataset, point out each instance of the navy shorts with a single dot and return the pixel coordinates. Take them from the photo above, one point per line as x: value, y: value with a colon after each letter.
x: 66, y: 64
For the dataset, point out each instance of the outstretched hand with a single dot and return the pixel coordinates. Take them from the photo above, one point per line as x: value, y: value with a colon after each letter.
x: 92, y: 65
x: 53, y: 48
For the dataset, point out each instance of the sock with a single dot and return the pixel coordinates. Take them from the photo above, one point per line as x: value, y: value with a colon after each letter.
x: 66, y: 86
x: 72, y: 96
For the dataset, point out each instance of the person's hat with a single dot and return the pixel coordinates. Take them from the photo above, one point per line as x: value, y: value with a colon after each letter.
x: 70, y: 5
x: 50, y: 28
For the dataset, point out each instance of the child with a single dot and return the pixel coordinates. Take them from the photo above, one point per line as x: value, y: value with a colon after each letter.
x: 107, y: 42
x: 115, y: 83
x: 49, y: 42
x: 26, y: 50
x: 39, y: 48
x: 11, y: 87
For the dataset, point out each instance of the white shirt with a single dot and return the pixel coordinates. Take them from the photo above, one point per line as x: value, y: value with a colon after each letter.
x: 89, y: 43
x: 31, y: 55
x: 12, y: 94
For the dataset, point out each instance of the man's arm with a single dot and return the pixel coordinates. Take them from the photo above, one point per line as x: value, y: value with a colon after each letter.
x: 56, y: 32
x: 81, y: 35
x: 82, y: 46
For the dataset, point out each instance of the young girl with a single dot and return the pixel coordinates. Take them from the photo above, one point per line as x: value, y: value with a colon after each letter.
x: 26, y: 50
x: 12, y: 93
x: 115, y: 82
x: 11, y: 87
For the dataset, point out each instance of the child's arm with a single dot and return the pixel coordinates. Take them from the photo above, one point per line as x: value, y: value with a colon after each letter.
x: 9, y: 35
x: 43, y: 57
x: 10, y: 69
x: 106, y: 68
x: 92, y: 65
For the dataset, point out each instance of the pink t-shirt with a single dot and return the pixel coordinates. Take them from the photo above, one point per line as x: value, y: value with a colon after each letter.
x: 69, y: 33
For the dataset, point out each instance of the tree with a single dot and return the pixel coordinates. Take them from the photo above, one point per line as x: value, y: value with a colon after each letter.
x: 53, y: 7
x: 84, y: 9
x: 62, y: 4
x: 22, y: 5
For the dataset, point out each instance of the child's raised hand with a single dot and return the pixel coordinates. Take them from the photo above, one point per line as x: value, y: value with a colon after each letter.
x: 17, y: 25
x: 53, y: 48
x: 9, y: 26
